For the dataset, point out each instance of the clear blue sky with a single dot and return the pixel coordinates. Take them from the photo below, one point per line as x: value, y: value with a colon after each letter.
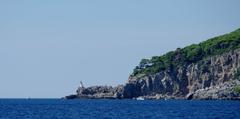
x: 48, y: 46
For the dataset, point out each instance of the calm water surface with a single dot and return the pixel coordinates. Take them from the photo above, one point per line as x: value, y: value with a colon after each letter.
x: 117, y: 109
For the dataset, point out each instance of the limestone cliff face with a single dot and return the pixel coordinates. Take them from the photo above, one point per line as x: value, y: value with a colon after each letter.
x: 211, y: 78
x: 208, y: 70
x: 98, y: 92
x: 185, y: 80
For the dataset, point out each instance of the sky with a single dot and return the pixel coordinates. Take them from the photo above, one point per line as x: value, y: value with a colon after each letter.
x: 48, y: 46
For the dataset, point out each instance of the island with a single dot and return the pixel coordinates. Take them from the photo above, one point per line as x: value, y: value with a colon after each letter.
x: 209, y: 70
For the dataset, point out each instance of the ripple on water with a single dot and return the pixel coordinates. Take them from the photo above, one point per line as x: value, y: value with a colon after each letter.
x: 120, y: 109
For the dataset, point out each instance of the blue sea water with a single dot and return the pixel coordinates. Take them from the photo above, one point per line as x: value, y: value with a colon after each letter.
x: 117, y: 109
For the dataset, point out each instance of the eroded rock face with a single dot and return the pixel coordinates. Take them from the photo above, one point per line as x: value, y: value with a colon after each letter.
x: 178, y: 83
x: 100, y: 92
x: 222, y: 91
x: 211, y: 78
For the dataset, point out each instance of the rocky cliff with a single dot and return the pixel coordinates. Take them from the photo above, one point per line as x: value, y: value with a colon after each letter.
x: 209, y: 70
x: 187, y: 80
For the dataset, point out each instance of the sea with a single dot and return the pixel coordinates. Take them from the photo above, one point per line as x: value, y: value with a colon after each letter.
x: 117, y: 109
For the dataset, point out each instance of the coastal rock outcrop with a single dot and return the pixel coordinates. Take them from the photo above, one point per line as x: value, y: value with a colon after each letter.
x: 211, y: 72
x: 208, y: 70
x: 98, y: 92
x: 212, y: 78
x: 223, y: 91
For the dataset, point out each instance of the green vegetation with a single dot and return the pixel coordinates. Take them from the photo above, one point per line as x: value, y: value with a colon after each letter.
x: 237, y: 89
x: 190, y: 54
x: 237, y: 74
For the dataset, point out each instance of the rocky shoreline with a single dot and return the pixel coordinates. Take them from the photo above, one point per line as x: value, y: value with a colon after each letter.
x: 209, y: 70
x: 224, y: 91
x: 216, y: 84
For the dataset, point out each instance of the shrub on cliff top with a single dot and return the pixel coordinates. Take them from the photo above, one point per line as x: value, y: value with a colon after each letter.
x: 237, y: 74
x: 237, y: 89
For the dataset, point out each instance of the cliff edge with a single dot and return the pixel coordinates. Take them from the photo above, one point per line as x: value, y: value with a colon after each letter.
x: 208, y: 70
